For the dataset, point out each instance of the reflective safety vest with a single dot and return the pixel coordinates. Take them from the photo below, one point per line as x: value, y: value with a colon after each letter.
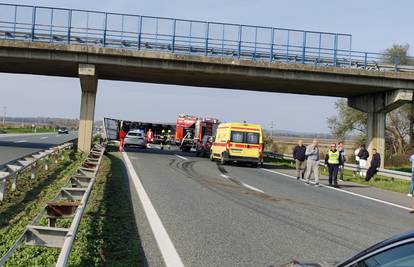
x: 333, y: 157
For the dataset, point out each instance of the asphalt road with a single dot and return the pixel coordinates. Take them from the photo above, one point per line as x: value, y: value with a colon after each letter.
x: 214, y: 219
x: 13, y: 147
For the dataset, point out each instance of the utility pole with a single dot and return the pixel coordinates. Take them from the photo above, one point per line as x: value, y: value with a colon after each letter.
x: 271, y: 130
x: 4, y: 115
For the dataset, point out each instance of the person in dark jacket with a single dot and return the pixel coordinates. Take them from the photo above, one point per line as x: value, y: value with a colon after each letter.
x: 375, y: 164
x: 300, y: 159
x: 363, y: 158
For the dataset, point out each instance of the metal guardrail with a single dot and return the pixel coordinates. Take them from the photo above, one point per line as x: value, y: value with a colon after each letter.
x: 70, y: 202
x: 383, y: 172
x: 215, y: 39
x: 15, y: 168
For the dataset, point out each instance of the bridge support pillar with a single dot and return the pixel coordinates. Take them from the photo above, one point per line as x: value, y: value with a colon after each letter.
x: 89, y: 85
x: 377, y: 106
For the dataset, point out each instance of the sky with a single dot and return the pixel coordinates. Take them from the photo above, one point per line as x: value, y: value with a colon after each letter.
x: 374, y: 25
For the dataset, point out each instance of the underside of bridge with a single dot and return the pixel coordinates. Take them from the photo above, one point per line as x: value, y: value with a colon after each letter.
x: 374, y: 92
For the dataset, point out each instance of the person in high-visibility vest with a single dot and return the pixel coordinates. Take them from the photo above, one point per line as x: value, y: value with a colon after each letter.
x: 333, y: 160
x: 169, y: 139
x: 163, y: 138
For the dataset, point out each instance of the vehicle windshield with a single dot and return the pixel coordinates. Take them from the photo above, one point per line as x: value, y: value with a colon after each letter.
x: 244, y: 137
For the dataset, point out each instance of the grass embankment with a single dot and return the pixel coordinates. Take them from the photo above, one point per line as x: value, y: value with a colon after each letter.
x: 108, y: 235
x: 395, y: 185
x: 26, y: 130
x: 20, y: 207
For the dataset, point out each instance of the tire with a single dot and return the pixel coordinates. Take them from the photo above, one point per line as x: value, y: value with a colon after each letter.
x: 198, y: 153
x: 222, y: 160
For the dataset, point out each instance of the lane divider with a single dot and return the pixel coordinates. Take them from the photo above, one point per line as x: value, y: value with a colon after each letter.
x: 20, y: 141
x: 168, y: 251
x: 347, y: 192
x: 181, y: 157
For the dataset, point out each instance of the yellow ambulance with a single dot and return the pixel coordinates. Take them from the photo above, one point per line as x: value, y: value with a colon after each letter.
x: 238, y: 142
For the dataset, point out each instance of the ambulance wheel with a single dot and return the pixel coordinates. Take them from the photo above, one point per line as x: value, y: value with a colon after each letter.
x: 222, y: 160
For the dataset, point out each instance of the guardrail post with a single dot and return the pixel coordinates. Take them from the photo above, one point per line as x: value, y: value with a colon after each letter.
x: 240, y: 41
x: 69, y: 24
x: 207, y: 34
x: 33, y: 23
x: 139, y: 33
x: 14, y: 181
x: 173, y: 37
x: 272, y: 37
x: 303, y: 47
x: 2, y: 189
x: 46, y: 163
x: 33, y: 171
x: 335, y: 49
x: 366, y: 60
x: 105, y: 27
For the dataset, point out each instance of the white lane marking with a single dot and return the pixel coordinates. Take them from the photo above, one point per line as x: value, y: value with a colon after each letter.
x: 252, y: 187
x: 44, y: 137
x: 20, y: 141
x: 348, y: 192
x: 181, y: 157
x: 168, y: 251
x: 244, y: 184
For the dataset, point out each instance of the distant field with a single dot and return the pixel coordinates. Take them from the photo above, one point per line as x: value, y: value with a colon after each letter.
x: 25, y: 130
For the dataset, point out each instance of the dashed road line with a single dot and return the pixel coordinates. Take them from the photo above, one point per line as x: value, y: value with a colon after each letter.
x: 44, y: 137
x: 20, y: 141
x: 252, y: 187
x: 347, y: 192
x: 181, y: 157
x: 224, y: 176
x: 168, y: 251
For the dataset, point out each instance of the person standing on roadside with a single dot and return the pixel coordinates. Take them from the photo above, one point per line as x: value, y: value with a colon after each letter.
x: 342, y: 154
x: 333, y: 161
x: 300, y: 159
x: 356, y: 152
x: 410, y: 193
x: 312, y: 163
x: 375, y: 164
x: 122, y: 135
x: 363, y: 155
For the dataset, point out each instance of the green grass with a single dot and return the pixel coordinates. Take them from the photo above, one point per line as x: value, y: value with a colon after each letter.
x: 20, y: 207
x: 108, y: 235
x: 395, y: 185
x: 401, y: 169
x: 26, y: 130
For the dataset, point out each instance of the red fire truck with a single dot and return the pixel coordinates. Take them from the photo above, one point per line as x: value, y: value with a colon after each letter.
x: 193, y: 132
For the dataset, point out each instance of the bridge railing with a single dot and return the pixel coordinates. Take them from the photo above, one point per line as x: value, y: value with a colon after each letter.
x: 72, y: 26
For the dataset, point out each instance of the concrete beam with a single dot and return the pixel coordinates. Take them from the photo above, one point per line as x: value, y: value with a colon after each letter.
x: 381, y: 102
x: 377, y: 106
x: 89, y: 85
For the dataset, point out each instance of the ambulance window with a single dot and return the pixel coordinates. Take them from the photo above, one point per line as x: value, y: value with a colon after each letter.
x: 252, y: 138
x: 236, y: 137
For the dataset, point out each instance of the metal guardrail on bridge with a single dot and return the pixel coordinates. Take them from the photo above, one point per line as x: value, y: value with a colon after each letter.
x: 383, y: 172
x: 136, y: 32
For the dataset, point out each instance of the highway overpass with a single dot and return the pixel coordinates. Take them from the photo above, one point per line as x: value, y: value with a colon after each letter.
x: 243, y: 62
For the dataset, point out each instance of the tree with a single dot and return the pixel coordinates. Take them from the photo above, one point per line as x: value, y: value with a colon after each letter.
x: 398, y: 130
x: 347, y: 121
x: 397, y: 54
